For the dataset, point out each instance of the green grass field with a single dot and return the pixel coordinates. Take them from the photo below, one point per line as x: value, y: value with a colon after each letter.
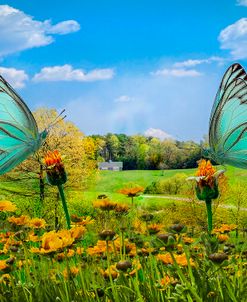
x: 109, y: 182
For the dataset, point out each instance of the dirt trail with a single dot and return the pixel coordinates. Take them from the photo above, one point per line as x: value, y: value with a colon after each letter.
x: 225, y: 206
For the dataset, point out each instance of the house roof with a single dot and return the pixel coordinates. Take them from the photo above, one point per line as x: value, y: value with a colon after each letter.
x: 112, y: 164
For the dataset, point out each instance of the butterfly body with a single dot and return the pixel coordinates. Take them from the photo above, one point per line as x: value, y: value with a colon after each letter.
x: 228, y: 120
x: 19, y: 136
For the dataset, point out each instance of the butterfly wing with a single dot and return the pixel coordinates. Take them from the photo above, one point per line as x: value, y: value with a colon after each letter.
x: 19, y: 135
x: 228, y: 120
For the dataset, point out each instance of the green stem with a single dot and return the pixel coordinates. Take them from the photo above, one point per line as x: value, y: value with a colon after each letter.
x: 65, y: 208
x: 210, y: 215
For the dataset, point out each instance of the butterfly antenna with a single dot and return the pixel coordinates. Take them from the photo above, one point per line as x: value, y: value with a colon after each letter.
x: 58, y: 119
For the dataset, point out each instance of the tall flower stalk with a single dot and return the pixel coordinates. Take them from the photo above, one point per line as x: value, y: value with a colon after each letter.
x: 207, y: 187
x: 57, y: 176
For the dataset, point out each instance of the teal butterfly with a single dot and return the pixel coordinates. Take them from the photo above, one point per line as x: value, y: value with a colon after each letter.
x: 228, y: 120
x: 19, y: 136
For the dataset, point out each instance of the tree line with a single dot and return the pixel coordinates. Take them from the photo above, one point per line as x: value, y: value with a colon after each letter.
x: 147, y: 153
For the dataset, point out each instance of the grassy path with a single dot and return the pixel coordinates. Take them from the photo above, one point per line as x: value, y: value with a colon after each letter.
x: 225, y: 206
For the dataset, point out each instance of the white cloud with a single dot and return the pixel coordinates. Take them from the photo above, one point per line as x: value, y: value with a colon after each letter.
x: 175, y: 72
x: 15, y: 77
x: 63, y: 28
x: 234, y: 38
x: 162, y: 135
x: 192, y: 63
x: 19, y: 31
x: 242, y: 2
x: 124, y: 99
x: 67, y: 73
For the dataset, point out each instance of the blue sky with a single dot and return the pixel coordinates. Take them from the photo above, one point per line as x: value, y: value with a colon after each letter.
x: 141, y: 66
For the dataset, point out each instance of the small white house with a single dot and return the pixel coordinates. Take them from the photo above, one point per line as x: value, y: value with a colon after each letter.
x: 111, y: 165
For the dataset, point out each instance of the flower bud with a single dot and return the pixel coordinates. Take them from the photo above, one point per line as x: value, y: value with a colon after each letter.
x: 204, y: 191
x: 56, y: 174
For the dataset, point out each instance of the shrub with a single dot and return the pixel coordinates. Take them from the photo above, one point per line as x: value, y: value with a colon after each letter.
x: 173, y: 185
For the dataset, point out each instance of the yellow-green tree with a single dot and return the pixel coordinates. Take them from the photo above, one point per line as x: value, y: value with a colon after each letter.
x: 78, y: 152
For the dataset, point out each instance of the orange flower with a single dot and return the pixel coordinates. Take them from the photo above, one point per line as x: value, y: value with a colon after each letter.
x: 32, y: 237
x: 165, y: 258
x: 79, y: 250
x: 112, y: 271
x: 99, y: 248
x: 62, y: 256
x: 180, y: 259
x: 222, y: 238
x: 206, y: 170
x: 3, y: 265
x: 81, y: 220
x: 37, y: 223
x: 187, y: 240
x: 53, y: 158
x: 225, y: 228
x: 122, y: 209
x: 55, y: 171
x: 167, y: 280
x: 130, y: 248
x: 22, y: 220
x: 154, y: 228
x: 71, y: 272
x: 7, y: 206
x: 137, y: 266
x: 131, y: 192
x: 77, y: 232
x: 104, y: 204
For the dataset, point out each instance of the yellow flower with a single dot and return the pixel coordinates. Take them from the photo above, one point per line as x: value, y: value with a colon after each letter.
x: 22, y: 220
x: 71, y: 272
x: 5, y: 278
x: 7, y: 206
x: 37, y: 223
x: 77, y: 232
x: 52, y: 242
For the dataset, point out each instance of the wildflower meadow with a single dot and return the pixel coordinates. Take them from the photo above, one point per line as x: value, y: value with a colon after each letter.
x: 124, y: 250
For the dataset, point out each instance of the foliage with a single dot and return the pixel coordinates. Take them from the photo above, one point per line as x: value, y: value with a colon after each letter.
x: 140, y: 152
x: 173, y: 185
